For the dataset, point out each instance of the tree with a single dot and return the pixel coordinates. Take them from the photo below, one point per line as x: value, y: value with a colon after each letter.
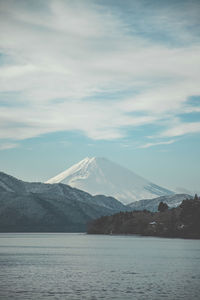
x: 162, y: 207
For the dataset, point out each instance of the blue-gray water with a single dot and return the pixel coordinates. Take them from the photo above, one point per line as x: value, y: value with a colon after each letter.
x: 80, y: 266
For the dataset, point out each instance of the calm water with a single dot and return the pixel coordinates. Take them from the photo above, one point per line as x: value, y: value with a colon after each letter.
x: 80, y: 266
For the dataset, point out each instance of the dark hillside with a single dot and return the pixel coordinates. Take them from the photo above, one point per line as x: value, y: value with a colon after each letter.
x: 183, y: 221
x: 39, y: 207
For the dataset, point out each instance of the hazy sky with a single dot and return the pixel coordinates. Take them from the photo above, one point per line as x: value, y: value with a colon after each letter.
x: 112, y: 78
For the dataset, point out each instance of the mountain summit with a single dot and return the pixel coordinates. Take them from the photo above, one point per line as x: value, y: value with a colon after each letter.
x: 98, y: 175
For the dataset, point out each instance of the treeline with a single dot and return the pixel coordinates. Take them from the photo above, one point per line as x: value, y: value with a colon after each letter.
x: 182, y: 221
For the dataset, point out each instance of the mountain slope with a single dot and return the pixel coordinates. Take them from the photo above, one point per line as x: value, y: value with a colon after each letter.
x: 49, y: 207
x: 152, y: 204
x: 101, y: 176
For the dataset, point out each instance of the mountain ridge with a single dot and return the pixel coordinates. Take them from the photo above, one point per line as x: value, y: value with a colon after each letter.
x: 152, y: 204
x: 98, y: 175
x: 27, y: 206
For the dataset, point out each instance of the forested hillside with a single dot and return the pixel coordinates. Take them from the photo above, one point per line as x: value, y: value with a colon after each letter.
x: 183, y: 221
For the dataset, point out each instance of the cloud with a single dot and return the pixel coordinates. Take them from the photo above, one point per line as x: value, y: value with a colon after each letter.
x: 157, y: 144
x: 182, y: 129
x: 81, y: 66
x: 6, y: 146
x: 90, y: 117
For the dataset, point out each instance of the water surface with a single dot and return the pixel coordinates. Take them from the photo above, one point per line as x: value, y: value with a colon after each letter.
x: 80, y: 266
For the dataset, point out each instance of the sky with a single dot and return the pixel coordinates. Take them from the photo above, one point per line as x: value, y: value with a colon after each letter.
x: 113, y: 78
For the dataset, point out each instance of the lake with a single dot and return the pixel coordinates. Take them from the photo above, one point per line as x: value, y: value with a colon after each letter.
x: 80, y: 266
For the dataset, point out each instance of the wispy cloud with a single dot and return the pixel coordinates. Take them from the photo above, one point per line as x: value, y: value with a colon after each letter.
x: 182, y: 129
x: 65, y: 59
x: 6, y: 146
x: 148, y: 145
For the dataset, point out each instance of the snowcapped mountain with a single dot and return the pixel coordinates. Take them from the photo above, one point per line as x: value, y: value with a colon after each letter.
x: 100, y: 176
x: 27, y: 206
x: 152, y: 204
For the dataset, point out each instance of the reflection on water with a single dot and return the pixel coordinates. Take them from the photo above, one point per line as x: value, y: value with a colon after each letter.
x: 80, y: 266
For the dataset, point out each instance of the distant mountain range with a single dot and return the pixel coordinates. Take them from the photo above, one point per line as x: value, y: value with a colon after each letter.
x: 39, y: 207
x: 100, y: 176
x: 58, y: 207
x: 152, y: 204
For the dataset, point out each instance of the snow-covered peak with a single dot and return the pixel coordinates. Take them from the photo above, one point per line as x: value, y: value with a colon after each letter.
x: 98, y: 175
x: 79, y: 167
x: 80, y: 170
